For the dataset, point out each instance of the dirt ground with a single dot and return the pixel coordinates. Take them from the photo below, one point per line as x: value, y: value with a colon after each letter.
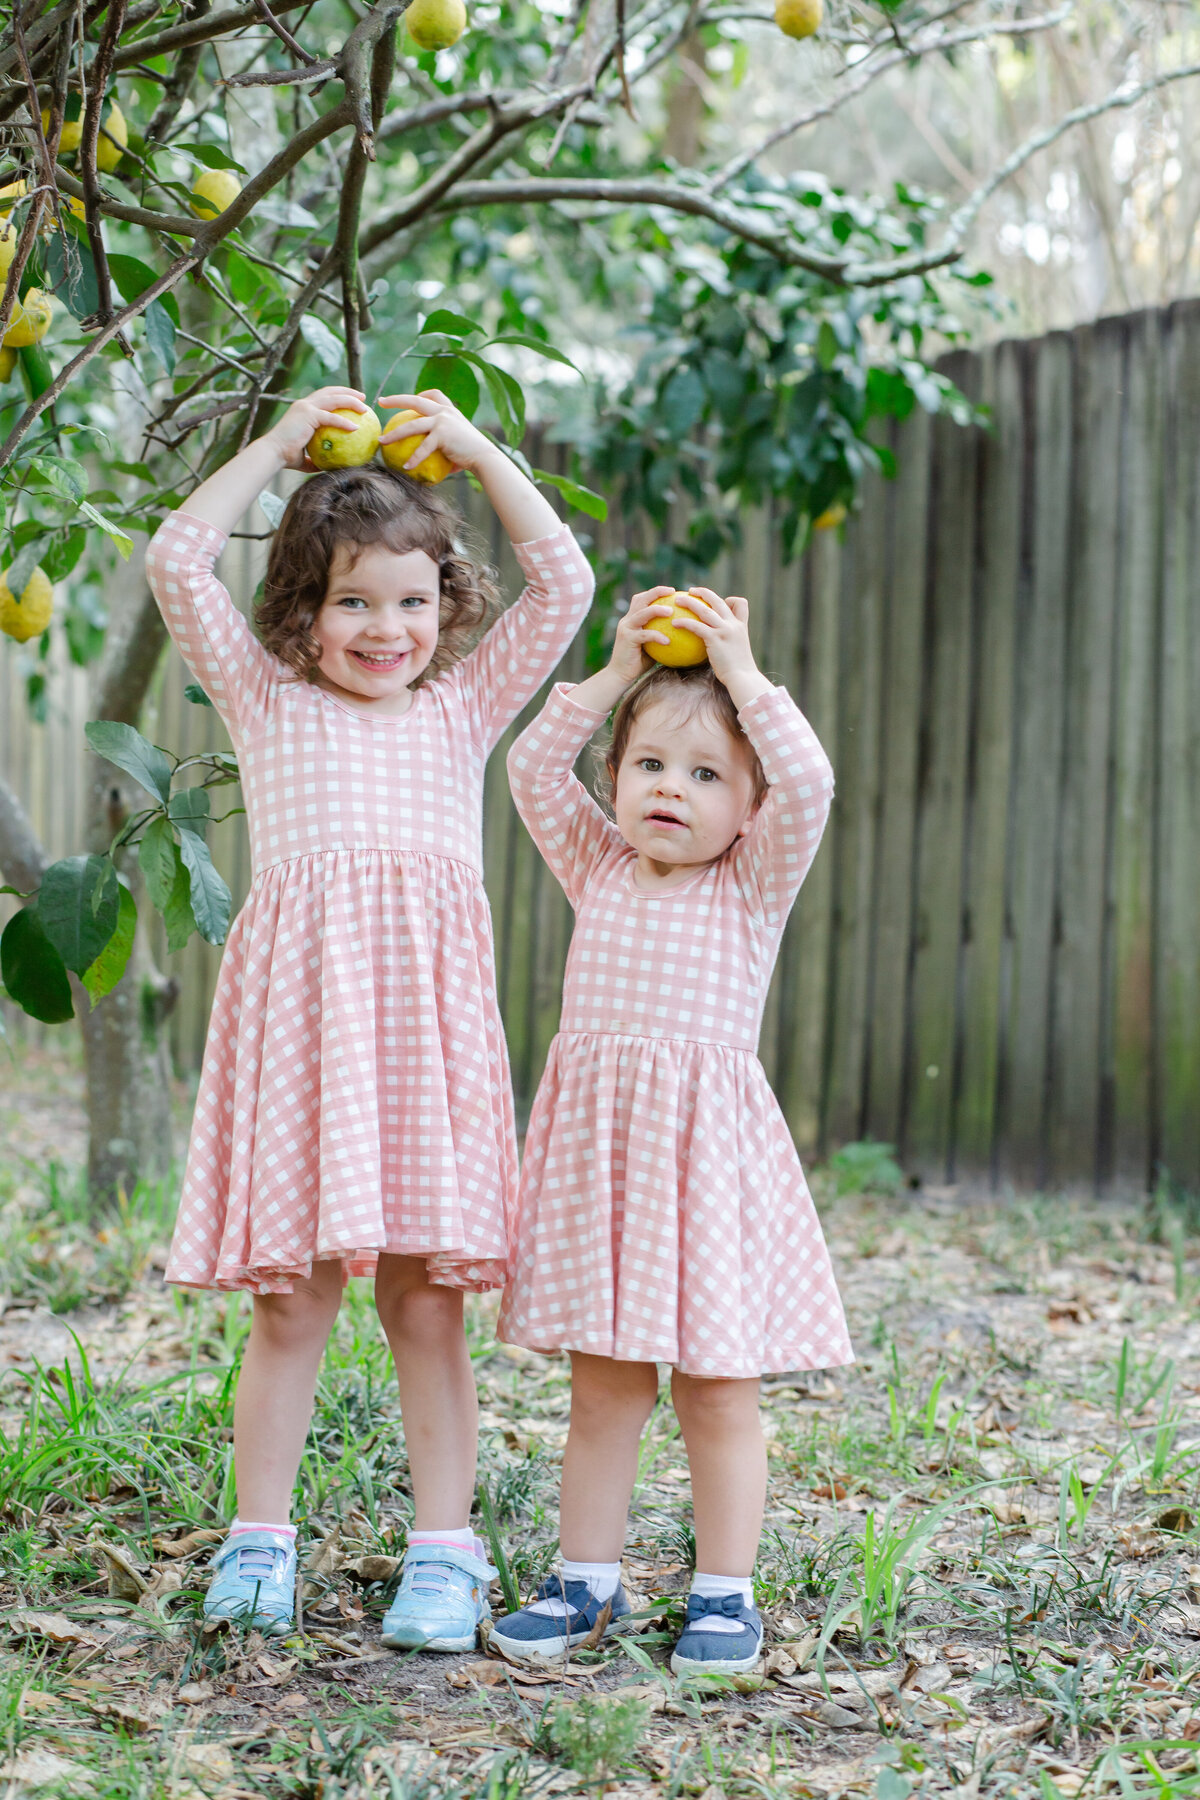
x: 979, y: 1573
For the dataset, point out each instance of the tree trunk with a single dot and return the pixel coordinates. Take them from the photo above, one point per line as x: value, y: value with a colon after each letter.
x: 687, y: 108
x: 128, y: 1071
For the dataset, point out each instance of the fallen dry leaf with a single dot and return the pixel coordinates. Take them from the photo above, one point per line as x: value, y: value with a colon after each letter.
x: 125, y: 1579
x: 37, y: 1768
x: 187, y: 1546
x: 55, y: 1628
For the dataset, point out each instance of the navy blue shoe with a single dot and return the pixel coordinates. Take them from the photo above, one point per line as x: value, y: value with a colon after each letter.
x: 701, y: 1652
x: 558, y: 1618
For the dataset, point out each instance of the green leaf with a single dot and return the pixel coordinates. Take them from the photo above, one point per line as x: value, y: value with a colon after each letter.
x: 507, y: 397
x: 159, y: 859
x: 160, y: 335
x: 682, y: 401
x: 102, y: 976
x: 128, y: 468
x: 211, y: 900
x: 214, y: 158
x: 77, y: 907
x: 890, y: 1784
x: 22, y: 566
x: 71, y: 274
x: 196, y: 694
x: 827, y: 345
x: 456, y: 379
x: 329, y: 349
x: 177, y: 912
x: 190, y: 809
x: 33, y: 972
x: 66, y: 476
x: 120, y: 539
x: 532, y: 343
x: 449, y: 324
x: 125, y: 746
x: 245, y: 280
x: 132, y: 277
x: 582, y: 498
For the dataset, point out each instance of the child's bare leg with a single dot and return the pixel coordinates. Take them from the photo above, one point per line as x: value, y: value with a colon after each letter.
x: 728, y: 1461
x: 275, y: 1391
x: 610, y: 1404
x: 438, y: 1402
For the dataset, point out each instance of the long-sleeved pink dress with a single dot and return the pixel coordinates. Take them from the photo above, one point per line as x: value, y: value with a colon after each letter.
x: 355, y: 1092
x: 664, y: 1215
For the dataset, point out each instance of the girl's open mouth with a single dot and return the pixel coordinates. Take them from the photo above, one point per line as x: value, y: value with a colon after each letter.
x: 665, y: 818
x: 379, y: 662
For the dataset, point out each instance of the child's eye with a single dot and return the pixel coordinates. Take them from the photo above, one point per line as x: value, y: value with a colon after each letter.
x: 651, y: 765
x: 352, y: 600
x: 703, y: 774
x: 414, y: 600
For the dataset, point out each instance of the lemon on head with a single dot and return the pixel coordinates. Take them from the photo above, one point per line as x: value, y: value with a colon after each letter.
x: 72, y: 134
x: 108, y: 153
x: 685, y: 649
x: 30, y: 320
x: 436, y: 24
x: 29, y: 616
x: 213, y: 190
x: 799, y: 18
x: 329, y: 448
x: 435, y: 468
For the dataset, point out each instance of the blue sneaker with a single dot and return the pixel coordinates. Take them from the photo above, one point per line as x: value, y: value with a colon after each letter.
x: 442, y: 1597
x: 255, y: 1582
x: 701, y: 1652
x: 560, y: 1616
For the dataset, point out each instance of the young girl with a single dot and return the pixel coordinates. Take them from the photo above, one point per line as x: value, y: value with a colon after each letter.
x: 664, y: 1215
x: 354, y: 1112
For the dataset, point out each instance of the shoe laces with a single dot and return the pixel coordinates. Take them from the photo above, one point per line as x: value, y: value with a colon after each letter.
x: 256, y: 1563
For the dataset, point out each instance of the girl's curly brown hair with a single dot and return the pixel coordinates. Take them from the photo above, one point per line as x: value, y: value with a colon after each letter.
x: 691, y: 689
x: 358, y: 508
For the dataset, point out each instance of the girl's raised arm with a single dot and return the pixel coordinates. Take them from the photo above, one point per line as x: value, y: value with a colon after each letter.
x: 775, y: 855
x: 569, y: 829
x: 214, y: 639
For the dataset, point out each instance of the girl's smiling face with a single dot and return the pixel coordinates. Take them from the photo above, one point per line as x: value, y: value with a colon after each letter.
x: 685, y: 790
x: 377, y: 626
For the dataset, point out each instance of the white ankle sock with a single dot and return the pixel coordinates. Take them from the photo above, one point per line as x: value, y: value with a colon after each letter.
x: 462, y: 1538
x: 602, y: 1580
x: 712, y: 1587
x: 255, y: 1525
x: 255, y: 1562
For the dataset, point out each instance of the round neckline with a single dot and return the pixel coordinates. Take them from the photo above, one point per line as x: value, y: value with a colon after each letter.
x: 352, y: 712
x: 661, y: 893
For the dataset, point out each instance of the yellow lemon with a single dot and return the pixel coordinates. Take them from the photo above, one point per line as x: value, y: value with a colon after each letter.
x: 833, y: 515
x: 8, y: 246
x: 436, y: 24
x: 8, y: 362
x: 29, y: 616
x: 799, y: 18
x: 72, y: 134
x: 329, y: 448
x: 435, y: 468
x: 30, y: 321
x: 15, y: 190
x: 213, y: 191
x: 74, y: 206
x: 108, y: 153
x: 685, y: 648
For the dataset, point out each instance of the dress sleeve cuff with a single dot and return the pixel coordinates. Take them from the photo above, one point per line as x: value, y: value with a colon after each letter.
x: 563, y: 692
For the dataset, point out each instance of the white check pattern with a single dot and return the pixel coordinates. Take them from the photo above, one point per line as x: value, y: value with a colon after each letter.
x: 664, y: 1215
x: 355, y: 1093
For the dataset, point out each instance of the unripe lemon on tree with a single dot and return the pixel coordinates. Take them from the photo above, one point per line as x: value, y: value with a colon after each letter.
x: 30, y: 320
x: 213, y: 191
x: 799, y: 18
x: 833, y: 515
x: 436, y: 24
x: 329, y: 448
x: 435, y: 468
x: 29, y: 616
x: 108, y: 154
x: 685, y: 649
x: 72, y: 134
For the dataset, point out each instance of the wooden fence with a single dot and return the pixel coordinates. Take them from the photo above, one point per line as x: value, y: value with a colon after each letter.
x: 995, y: 962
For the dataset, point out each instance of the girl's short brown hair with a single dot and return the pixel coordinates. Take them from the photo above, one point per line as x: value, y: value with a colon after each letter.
x: 691, y: 689
x: 358, y: 508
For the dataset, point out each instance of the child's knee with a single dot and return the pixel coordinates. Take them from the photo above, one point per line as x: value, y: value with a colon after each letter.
x: 609, y: 1393
x: 301, y: 1318
x: 710, y: 1403
x: 420, y: 1312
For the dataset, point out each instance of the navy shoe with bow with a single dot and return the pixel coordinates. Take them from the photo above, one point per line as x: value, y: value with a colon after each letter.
x: 729, y: 1650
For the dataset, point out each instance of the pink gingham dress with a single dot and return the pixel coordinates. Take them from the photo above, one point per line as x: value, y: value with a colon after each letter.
x: 355, y: 1093
x: 664, y: 1215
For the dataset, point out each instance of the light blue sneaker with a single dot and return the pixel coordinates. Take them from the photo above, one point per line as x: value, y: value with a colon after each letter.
x: 255, y: 1582
x: 442, y: 1597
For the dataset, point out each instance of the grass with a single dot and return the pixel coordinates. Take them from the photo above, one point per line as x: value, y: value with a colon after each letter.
x: 978, y: 1569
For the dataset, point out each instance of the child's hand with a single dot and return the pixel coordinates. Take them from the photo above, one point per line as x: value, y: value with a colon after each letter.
x: 722, y: 624
x: 442, y: 427
x: 292, y: 435
x: 635, y: 629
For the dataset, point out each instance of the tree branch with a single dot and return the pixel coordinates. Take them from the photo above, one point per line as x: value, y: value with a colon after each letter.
x: 23, y: 861
x: 197, y: 31
x: 98, y: 73
x: 46, y: 152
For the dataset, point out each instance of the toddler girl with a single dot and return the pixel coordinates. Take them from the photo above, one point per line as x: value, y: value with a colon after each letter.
x: 664, y: 1216
x: 354, y: 1112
